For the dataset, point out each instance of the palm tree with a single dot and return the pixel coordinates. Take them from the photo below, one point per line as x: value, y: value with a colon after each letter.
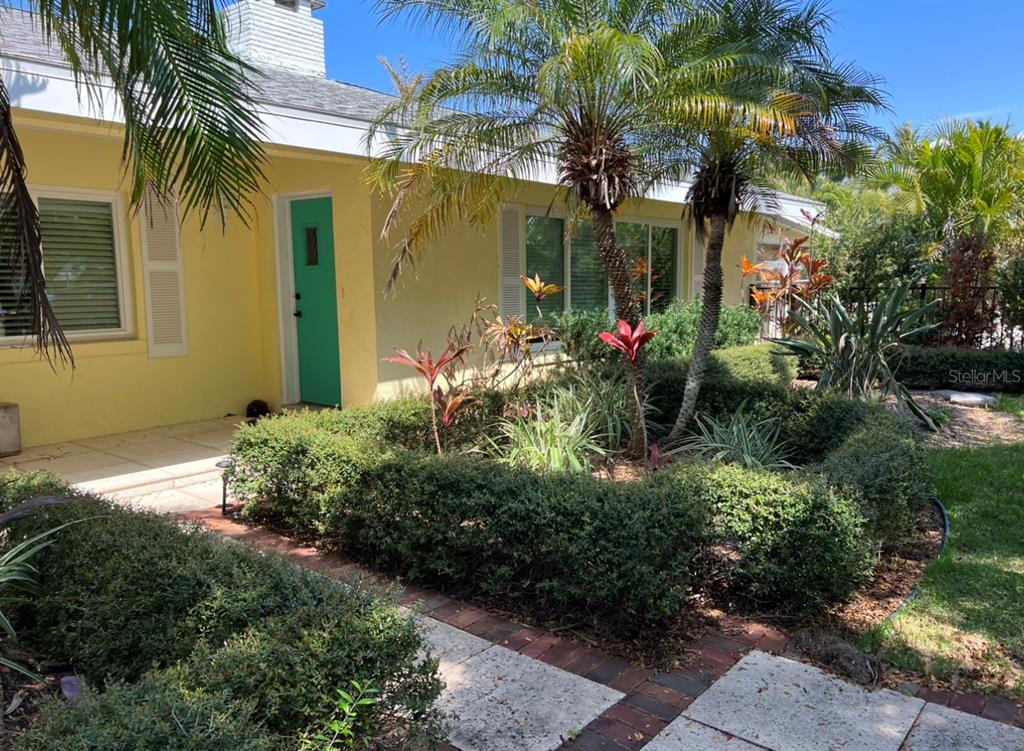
x: 824, y: 133
x: 587, y: 90
x: 190, y: 126
x: 966, y: 180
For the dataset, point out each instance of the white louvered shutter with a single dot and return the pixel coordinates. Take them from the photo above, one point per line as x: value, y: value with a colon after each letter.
x: 698, y: 266
x: 513, y: 293
x: 164, y: 278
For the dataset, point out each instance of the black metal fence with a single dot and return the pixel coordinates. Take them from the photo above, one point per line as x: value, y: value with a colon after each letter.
x: 1000, y: 327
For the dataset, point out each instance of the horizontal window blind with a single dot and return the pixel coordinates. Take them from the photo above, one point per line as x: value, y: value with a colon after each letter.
x: 589, y: 284
x: 14, y: 320
x: 80, y: 263
x: 635, y: 238
x: 545, y: 237
x: 664, y: 252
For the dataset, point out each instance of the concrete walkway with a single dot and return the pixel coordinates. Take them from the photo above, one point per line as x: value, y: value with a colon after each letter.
x: 170, y: 469
x: 511, y: 687
x: 769, y: 702
x: 515, y: 688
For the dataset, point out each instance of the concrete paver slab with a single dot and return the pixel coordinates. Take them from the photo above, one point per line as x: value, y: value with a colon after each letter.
x: 683, y: 734
x: 788, y: 706
x: 505, y: 701
x: 942, y: 729
x: 449, y: 644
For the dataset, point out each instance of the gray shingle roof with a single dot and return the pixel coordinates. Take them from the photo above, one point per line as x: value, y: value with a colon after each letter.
x: 21, y: 37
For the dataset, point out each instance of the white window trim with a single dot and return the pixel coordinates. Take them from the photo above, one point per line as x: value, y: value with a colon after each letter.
x: 679, y: 226
x: 125, y: 299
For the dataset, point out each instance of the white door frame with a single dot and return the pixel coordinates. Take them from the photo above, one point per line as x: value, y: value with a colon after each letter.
x: 287, y: 329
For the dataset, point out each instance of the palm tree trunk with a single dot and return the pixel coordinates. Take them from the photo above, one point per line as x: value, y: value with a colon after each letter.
x: 616, y: 266
x: 627, y: 308
x: 711, y: 311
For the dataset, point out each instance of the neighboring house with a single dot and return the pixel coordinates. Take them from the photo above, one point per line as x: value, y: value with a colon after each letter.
x: 174, y: 324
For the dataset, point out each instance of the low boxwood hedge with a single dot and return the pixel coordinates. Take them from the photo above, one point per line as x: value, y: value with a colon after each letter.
x: 155, y: 713
x: 124, y: 596
x: 961, y: 369
x: 884, y: 465
x: 676, y: 327
x: 802, y: 543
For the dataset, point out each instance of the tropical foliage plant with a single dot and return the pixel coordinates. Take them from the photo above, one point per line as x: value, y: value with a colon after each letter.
x: 858, y: 350
x: 630, y: 341
x: 796, y: 274
x: 556, y: 434
x: 191, y: 128
x: 738, y: 438
x: 815, y: 124
x: 966, y: 181
x: 604, y: 92
x: 431, y: 371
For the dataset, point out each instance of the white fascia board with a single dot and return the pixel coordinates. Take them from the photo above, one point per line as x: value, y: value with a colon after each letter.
x: 47, y: 87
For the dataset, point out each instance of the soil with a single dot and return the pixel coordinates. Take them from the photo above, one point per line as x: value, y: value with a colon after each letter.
x: 970, y: 426
x: 21, y: 700
x: 896, y: 576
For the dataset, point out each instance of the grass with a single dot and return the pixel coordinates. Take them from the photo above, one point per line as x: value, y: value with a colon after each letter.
x: 1012, y: 404
x: 967, y: 625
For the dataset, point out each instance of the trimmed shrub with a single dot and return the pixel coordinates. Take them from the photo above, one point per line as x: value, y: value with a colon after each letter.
x: 290, y: 667
x: 676, y: 326
x: 963, y: 369
x: 479, y: 526
x: 884, y: 465
x: 153, y: 714
x: 802, y: 544
x: 289, y: 467
x: 122, y: 593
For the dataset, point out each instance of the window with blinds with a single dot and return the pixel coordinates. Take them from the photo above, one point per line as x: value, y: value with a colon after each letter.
x: 80, y: 265
x: 652, y: 250
x: 545, y: 256
x: 588, y: 285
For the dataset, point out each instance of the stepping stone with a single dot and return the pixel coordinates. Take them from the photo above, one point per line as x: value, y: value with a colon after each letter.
x: 683, y: 734
x: 784, y: 705
x: 969, y: 398
x: 942, y: 729
x: 449, y: 644
x: 500, y: 700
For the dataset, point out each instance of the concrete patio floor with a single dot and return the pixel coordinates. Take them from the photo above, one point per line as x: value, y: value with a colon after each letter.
x: 169, y: 469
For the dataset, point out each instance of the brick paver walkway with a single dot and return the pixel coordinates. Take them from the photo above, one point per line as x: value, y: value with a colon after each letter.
x: 520, y: 688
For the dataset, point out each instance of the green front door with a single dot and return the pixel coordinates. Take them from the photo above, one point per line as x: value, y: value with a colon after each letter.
x: 316, y: 301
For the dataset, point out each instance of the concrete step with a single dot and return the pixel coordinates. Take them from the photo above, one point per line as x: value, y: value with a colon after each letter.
x: 154, y: 480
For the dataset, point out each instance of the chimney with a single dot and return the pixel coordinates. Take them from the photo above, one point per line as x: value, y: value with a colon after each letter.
x: 278, y: 33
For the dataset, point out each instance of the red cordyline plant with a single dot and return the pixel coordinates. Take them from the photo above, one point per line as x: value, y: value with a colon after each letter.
x: 631, y: 342
x: 797, y: 274
x: 431, y: 370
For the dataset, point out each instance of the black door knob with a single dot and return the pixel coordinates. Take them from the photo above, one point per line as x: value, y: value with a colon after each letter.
x: 298, y: 295
x: 298, y: 314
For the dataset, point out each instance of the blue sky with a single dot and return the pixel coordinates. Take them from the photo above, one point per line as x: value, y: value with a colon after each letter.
x: 938, y: 58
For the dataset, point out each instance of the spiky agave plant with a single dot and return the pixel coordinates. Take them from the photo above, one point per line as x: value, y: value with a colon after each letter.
x: 856, y: 349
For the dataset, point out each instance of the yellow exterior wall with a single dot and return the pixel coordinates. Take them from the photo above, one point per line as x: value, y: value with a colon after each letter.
x: 116, y: 386
x: 232, y: 291
x: 439, y: 292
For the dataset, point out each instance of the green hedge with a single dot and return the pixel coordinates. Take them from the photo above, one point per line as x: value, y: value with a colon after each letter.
x: 961, y: 369
x: 477, y: 526
x: 676, y: 327
x: 124, y: 593
x: 156, y: 713
x: 802, y: 545
x: 885, y: 466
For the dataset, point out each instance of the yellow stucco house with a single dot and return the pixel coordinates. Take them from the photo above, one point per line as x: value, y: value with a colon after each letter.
x: 173, y: 323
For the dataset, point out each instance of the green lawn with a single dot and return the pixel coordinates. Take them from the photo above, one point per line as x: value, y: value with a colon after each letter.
x: 1012, y: 404
x: 968, y: 622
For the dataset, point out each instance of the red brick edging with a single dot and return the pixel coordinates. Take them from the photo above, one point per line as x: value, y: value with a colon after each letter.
x: 652, y: 699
